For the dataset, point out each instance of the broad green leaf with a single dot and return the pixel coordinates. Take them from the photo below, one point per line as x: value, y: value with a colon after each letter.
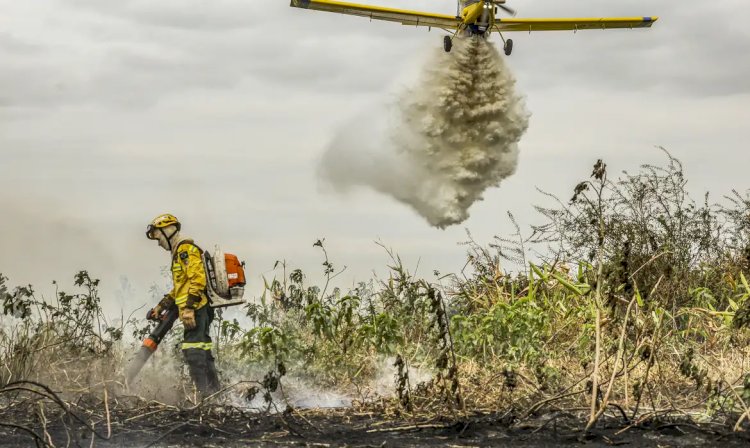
x: 538, y: 271
x: 570, y: 286
x: 638, y: 298
x: 733, y: 305
x: 744, y: 282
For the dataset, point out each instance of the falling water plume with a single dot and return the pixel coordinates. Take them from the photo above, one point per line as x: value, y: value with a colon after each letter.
x: 452, y: 137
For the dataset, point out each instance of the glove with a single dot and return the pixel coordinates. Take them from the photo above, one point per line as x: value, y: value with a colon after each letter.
x: 192, y: 301
x: 187, y: 316
x: 153, y: 313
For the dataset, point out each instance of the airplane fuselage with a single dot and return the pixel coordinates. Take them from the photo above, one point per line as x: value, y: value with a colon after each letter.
x: 478, y: 16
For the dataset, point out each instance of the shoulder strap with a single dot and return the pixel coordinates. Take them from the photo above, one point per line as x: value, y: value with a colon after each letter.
x: 185, y: 243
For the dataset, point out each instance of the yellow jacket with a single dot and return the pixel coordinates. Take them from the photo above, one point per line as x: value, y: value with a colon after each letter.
x: 188, y: 274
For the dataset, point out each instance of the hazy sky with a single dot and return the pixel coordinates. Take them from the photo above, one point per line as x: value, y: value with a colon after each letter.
x: 218, y: 111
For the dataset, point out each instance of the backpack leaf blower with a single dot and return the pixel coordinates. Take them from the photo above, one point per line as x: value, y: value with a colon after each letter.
x: 225, y: 278
x: 166, y: 320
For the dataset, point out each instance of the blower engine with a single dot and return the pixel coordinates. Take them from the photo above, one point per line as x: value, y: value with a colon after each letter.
x: 225, y: 276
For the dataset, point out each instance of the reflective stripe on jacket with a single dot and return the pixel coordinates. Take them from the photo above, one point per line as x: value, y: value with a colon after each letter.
x: 188, y: 274
x: 198, y: 345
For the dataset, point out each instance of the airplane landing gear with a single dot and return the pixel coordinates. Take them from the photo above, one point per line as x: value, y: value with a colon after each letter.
x: 447, y: 44
x: 508, y: 47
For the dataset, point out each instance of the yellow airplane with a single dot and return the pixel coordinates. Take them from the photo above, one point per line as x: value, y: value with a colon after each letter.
x: 474, y: 17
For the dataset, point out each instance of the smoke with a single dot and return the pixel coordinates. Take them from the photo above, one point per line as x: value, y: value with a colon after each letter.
x: 164, y: 377
x: 384, y: 383
x: 302, y: 390
x: 449, y: 139
x: 42, y: 242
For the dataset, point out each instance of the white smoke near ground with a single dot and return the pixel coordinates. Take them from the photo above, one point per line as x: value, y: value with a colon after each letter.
x: 300, y: 390
x: 449, y: 139
x: 384, y: 383
x: 163, y: 378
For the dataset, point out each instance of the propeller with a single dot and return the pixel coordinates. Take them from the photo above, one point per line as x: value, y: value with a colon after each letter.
x: 498, y: 3
x: 501, y: 4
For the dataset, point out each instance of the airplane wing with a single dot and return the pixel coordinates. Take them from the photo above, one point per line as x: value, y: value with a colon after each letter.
x: 513, y: 24
x: 406, y: 17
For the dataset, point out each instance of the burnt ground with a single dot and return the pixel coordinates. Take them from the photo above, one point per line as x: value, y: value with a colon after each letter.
x: 231, y: 427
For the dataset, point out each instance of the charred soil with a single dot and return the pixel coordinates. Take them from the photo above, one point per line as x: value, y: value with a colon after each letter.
x: 225, y: 426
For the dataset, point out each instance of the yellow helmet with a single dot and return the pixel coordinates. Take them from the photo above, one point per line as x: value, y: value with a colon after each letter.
x: 160, y: 222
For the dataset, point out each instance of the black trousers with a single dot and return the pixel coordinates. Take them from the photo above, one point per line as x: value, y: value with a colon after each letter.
x: 196, y: 347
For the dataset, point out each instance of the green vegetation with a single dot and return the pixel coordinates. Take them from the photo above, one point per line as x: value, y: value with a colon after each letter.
x: 636, y: 299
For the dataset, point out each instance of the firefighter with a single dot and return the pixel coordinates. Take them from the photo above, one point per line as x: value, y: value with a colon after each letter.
x: 189, y: 295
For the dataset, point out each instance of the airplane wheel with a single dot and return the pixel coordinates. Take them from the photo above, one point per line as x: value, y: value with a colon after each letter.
x: 447, y: 44
x: 508, y: 47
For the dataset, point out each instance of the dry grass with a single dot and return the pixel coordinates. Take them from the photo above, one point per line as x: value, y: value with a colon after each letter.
x: 651, y: 327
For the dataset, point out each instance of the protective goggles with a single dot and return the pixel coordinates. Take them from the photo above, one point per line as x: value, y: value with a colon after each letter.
x: 150, y: 232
